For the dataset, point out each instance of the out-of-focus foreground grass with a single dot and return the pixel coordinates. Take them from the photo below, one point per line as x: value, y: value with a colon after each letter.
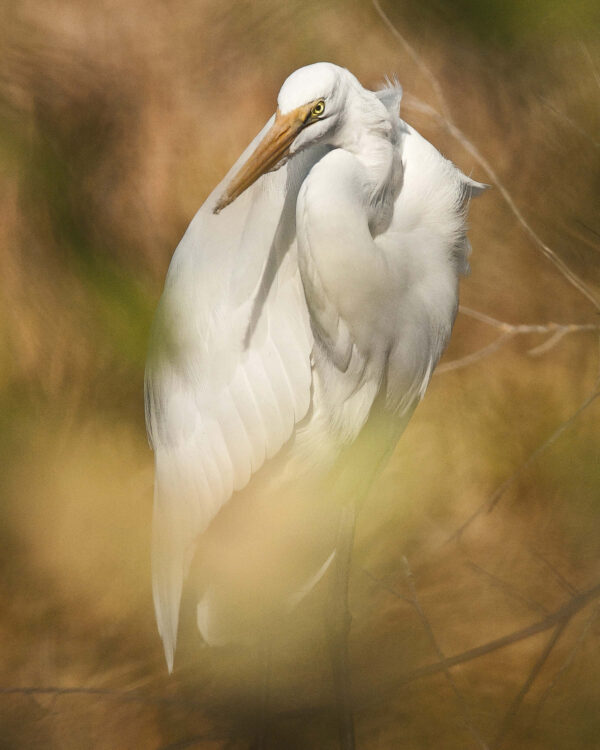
x: 116, y: 121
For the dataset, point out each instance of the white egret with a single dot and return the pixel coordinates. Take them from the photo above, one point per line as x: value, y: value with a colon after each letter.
x: 302, y: 317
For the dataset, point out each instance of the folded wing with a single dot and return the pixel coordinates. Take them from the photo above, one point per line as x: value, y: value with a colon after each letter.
x: 228, y: 375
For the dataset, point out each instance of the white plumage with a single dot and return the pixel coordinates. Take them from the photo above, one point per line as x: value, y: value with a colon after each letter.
x: 317, y: 287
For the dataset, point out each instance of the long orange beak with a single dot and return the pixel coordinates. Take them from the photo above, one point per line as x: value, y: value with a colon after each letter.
x: 268, y: 154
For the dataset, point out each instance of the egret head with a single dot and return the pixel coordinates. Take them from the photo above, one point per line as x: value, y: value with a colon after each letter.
x: 309, y: 106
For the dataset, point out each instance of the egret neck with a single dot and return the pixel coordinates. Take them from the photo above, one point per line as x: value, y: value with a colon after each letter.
x: 370, y: 135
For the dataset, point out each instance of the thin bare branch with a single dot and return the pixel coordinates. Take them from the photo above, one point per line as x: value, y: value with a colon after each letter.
x: 568, y: 661
x: 484, y: 318
x: 522, y: 329
x: 513, y: 709
x: 475, y: 356
x: 416, y: 104
x: 417, y: 59
x: 591, y: 230
x: 440, y: 654
x: 587, y: 54
x: 507, y: 587
x: 548, y: 344
x: 568, y: 121
x: 567, y: 586
x: 557, y: 331
x: 386, y: 587
x: 593, y: 242
x: 574, y: 605
x: 491, y: 502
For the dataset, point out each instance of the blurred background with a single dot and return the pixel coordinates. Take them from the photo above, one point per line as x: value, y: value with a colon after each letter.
x: 116, y: 120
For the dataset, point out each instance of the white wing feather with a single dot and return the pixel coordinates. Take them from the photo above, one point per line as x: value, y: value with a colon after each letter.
x: 228, y: 374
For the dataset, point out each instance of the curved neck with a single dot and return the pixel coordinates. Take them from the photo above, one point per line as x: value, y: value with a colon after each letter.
x: 371, y: 136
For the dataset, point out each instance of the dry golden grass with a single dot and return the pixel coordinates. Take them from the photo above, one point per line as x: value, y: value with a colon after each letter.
x: 116, y: 121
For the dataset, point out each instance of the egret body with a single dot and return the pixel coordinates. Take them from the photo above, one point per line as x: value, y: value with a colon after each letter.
x: 303, y: 314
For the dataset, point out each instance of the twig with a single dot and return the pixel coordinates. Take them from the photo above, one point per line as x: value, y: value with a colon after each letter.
x: 485, y: 318
x: 568, y: 661
x: 557, y: 574
x: 564, y: 613
x: 386, y: 587
x: 568, y: 121
x: 535, y: 670
x: 586, y: 52
x: 568, y: 610
x: 548, y: 344
x: 508, y: 588
x: 440, y: 654
x: 592, y: 242
x: 590, y: 229
x: 492, y: 501
x: 470, y: 359
x: 508, y: 330
x: 571, y: 276
x: 520, y: 328
x: 416, y: 58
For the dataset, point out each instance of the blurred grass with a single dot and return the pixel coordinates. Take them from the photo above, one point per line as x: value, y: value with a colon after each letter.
x: 115, y: 123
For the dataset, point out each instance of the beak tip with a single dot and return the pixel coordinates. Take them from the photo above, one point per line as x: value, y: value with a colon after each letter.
x: 270, y: 154
x: 220, y: 205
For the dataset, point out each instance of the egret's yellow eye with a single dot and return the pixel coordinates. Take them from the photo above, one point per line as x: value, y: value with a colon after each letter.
x: 318, y: 109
